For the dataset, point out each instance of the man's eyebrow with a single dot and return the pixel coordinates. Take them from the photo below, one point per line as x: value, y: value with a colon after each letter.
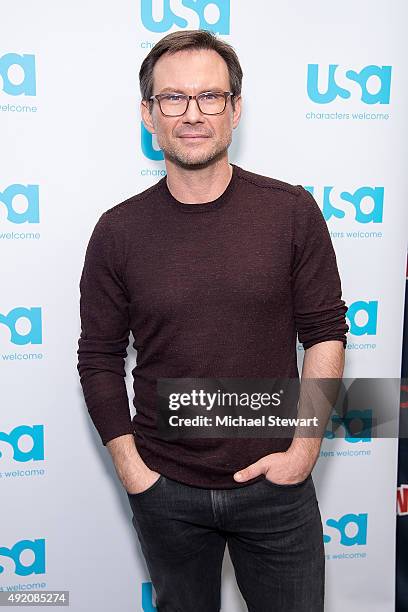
x: 176, y: 90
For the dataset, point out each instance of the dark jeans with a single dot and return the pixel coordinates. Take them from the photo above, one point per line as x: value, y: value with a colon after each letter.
x: 275, y: 541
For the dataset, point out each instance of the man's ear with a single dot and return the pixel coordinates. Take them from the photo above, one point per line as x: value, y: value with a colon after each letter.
x: 237, y: 111
x: 146, y: 117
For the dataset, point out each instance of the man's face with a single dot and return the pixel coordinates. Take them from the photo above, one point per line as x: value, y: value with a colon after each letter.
x: 192, y: 72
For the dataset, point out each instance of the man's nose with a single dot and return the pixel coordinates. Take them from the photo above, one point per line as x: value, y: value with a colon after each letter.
x: 193, y: 113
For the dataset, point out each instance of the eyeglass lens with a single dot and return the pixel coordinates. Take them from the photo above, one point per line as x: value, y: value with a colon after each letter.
x: 176, y: 104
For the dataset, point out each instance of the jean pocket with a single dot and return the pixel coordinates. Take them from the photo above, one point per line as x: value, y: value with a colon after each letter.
x: 149, y: 489
x: 285, y: 486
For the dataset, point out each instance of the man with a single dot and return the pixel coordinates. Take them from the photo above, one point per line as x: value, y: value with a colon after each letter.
x: 221, y: 292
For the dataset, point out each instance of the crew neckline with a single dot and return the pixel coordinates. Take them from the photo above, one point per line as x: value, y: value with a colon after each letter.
x: 202, y: 206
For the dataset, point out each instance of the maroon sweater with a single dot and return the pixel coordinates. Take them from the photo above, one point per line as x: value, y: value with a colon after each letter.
x: 217, y: 289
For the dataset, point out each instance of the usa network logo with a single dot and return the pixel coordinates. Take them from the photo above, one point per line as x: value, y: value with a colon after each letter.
x: 147, y: 597
x: 19, y: 205
x: 324, y: 89
x: 364, y: 205
x: 33, y: 549
x: 18, y: 317
x: 161, y: 15
x: 18, y: 74
x: 148, y: 149
x: 348, y: 530
x: 35, y: 436
x: 362, y: 317
x: 30, y: 195
x: 355, y: 426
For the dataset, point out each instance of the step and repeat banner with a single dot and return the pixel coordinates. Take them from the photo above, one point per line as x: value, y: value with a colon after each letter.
x: 324, y: 105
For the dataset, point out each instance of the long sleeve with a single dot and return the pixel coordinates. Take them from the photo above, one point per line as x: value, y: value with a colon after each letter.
x: 316, y: 287
x: 102, y: 346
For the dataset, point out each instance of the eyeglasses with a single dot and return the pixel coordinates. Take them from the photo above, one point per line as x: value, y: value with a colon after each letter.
x: 176, y: 104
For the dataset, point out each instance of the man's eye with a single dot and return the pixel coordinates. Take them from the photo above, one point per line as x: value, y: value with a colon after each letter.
x: 210, y: 96
x: 173, y: 97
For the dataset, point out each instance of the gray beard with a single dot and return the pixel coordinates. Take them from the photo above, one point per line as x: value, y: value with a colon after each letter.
x: 187, y: 162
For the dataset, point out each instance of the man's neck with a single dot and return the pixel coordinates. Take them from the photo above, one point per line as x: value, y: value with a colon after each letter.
x: 197, y: 186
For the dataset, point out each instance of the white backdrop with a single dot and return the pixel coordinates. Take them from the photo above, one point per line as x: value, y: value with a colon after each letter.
x: 72, y: 146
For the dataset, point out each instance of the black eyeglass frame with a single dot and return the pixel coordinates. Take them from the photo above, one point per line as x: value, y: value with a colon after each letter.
x: 196, y: 97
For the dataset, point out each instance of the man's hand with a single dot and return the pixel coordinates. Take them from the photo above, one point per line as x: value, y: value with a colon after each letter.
x: 142, y: 482
x: 134, y: 474
x: 289, y: 467
x: 322, y: 360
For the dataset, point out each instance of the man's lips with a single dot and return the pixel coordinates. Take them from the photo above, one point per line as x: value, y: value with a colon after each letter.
x: 193, y: 136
